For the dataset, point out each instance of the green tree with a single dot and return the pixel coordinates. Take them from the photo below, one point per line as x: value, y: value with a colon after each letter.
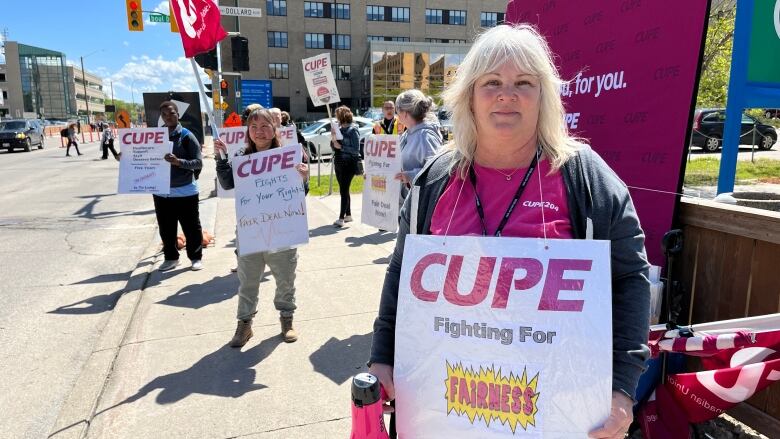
x: 716, y: 62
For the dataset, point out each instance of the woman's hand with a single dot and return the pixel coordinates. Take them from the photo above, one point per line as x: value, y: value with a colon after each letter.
x: 220, y: 147
x: 620, y: 417
x: 303, y: 170
x: 384, y: 373
x: 402, y: 178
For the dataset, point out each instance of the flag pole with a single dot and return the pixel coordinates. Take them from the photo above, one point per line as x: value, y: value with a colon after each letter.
x: 204, y: 98
x: 333, y: 154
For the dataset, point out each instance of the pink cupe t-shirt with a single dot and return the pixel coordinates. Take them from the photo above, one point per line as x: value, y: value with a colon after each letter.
x: 495, y: 193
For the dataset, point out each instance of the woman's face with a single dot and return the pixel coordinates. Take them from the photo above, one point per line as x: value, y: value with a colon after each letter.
x: 261, y: 132
x: 506, y: 105
x: 406, y: 119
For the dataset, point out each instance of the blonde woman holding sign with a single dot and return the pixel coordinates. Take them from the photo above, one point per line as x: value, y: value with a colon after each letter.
x: 261, y: 134
x: 513, y: 170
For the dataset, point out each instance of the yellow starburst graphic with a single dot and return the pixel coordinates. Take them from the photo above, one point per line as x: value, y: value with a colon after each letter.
x: 489, y: 395
x: 379, y: 183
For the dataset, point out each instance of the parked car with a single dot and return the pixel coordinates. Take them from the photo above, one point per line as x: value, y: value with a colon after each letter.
x: 318, y: 134
x: 708, y: 130
x: 375, y: 114
x: 21, y: 133
x: 771, y: 113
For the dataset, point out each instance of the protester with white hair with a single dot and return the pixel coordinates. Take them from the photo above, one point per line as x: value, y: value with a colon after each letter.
x: 510, y: 128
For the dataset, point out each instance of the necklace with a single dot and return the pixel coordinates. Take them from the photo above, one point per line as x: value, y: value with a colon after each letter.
x: 509, y: 176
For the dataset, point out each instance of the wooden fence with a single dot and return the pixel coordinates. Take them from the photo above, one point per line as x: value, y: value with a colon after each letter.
x: 730, y: 267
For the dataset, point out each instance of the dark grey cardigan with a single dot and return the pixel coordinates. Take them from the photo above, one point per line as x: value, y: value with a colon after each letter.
x: 600, y: 207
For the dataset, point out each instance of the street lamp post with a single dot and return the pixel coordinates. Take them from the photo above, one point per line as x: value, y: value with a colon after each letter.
x: 84, y: 83
x: 84, y: 80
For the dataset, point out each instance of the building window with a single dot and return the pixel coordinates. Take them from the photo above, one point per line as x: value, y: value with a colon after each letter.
x: 5, y: 94
x: 315, y: 41
x: 341, y: 11
x: 343, y: 73
x: 376, y: 38
x: 433, y: 16
x: 400, y: 15
x: 490, y: 19
x: 342, y: 42
x: 444, y: 40
x: 458, y: 18
x: 277, y: 39
x: 278, y: 71
x: 375, y: 13
x: 313, y: 9
x: 402, y: 39
x: 2, y: 77
x: 276, y: 7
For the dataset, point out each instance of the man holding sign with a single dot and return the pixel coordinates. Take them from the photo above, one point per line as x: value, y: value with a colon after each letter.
x: 483, y: 334
x: 271, y: 219
x: 167, y: 159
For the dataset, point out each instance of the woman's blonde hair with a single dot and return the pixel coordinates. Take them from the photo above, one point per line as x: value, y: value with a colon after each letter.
x: 528, y: 50
x: 264, y: 115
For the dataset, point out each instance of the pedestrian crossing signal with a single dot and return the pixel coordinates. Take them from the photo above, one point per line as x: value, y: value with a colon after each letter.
x: 135, y: 17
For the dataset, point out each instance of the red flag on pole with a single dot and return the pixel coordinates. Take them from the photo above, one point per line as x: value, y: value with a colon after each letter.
x: 199, y: 25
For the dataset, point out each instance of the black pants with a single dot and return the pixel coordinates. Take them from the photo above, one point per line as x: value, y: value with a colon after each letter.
x: 74, y: 143
x: 107, y: 146
x: 345, y: 167
x: 172, y: 211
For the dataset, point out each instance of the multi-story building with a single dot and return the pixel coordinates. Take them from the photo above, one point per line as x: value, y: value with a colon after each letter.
x: 34, y: 83
x: 377, y: 47
x: 94, y: 93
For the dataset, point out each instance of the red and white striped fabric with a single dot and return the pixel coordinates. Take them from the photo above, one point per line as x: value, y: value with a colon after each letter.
x: 738, y: 361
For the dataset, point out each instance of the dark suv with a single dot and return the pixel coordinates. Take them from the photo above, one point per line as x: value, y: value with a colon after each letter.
x: 708, y: 130
x: 20, y: 133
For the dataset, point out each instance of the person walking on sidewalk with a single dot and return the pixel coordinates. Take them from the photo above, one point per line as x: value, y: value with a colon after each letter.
x: 346, y: 153
x: 180, y: 206
x: 72, y: 139
x: 107, y: 142
x: 261, y: 136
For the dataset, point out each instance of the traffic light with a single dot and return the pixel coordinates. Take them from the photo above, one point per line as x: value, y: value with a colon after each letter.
x: 135, y: 16
x: 240, y: 51
x: 207, y: 60
x: 223, y: 91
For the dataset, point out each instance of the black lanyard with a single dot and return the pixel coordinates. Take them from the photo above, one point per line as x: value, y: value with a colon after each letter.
x: 512, y: 204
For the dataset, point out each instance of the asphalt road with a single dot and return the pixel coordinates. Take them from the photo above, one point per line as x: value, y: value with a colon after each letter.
x: 68, y: 244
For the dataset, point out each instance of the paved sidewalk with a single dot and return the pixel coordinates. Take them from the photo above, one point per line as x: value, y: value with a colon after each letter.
x: 163, y: 367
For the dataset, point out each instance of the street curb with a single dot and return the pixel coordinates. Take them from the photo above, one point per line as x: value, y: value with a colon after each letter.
x: 80, y: 405
x: 83, y: 401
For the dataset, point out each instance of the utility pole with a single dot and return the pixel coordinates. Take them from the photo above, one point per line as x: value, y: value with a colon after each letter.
x: 84, y: 81
x: 112, y: 98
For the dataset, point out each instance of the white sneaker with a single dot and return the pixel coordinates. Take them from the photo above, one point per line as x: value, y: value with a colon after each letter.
x: 348, y: 219
x: 169, y: 264
x: 197, y: 265
x: 339, y: 223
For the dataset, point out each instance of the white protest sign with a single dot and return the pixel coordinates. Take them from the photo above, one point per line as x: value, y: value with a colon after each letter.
x: 381, y: 191
x: 270, y: 200
x: 142, y: 168
x: 235, y: 139
x: 503, y: 337
x: 319, y: 80
x: 287, y: 135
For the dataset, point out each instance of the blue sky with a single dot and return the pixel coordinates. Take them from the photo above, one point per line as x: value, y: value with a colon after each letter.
x: 152, y: 60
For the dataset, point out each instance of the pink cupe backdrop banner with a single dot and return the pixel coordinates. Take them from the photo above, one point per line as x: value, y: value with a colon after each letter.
x: 199, y: 25
x: 633, y: 66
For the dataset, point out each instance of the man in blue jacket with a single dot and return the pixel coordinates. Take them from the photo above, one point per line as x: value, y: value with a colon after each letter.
x: 180, y: 206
